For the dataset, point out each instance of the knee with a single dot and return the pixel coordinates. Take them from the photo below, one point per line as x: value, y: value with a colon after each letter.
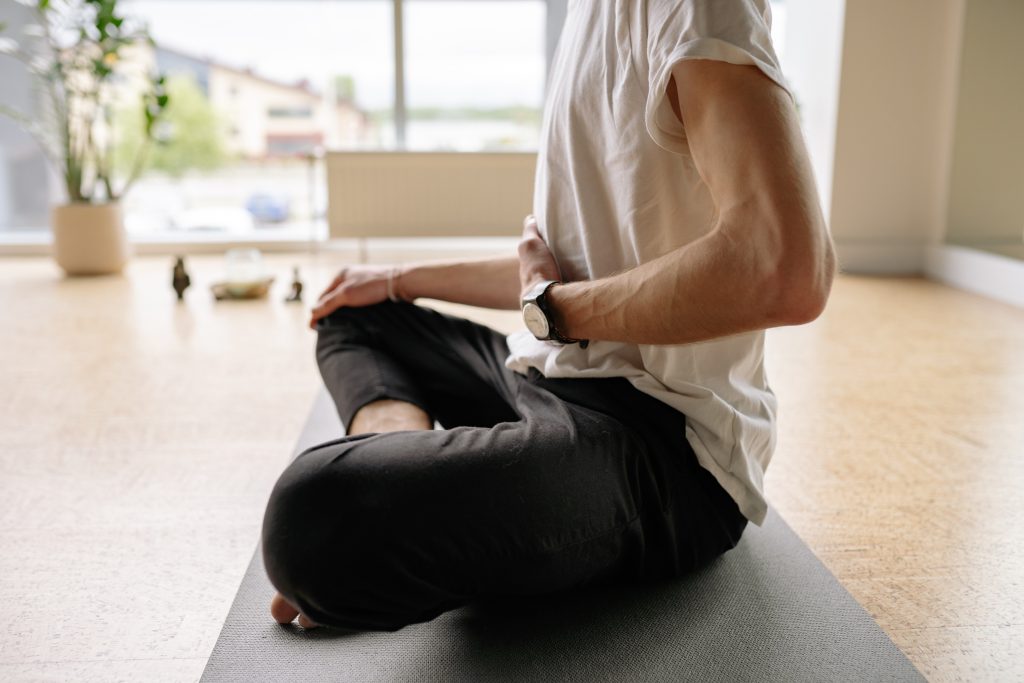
x: 355, y: 327
x: 311, y: 514
x: 360, y: 316
x: 325, y: 547
x: 289, y: 528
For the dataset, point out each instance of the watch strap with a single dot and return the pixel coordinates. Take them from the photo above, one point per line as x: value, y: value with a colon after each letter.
x: 553, y: 333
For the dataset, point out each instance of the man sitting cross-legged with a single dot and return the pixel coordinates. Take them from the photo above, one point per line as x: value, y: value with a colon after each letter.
x: 626, y: 435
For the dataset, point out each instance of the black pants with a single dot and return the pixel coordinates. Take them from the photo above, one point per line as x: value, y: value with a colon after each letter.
x: 535, y: 484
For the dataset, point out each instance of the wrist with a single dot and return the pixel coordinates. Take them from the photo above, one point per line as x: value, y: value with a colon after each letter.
x: 544, y: 317
x: 402, y: 279
x: 558, y: 299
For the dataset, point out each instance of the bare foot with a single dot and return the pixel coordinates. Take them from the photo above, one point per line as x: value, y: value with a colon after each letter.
x: 387, y: 415
x: 284, y: 613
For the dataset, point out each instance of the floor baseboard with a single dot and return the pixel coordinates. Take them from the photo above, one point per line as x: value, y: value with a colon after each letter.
x: 991, y: 275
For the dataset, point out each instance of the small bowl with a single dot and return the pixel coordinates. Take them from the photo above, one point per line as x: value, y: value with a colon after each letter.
x: 253, y: 289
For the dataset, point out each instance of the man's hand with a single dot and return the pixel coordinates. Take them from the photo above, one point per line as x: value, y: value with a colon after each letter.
x: 536, y: 263
x: 354, y: 286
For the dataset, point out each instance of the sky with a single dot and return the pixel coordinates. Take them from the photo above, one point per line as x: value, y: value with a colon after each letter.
x: 457, y: 53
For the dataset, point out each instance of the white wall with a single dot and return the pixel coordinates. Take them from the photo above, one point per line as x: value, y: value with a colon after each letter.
x: 897, y: 91
x: 987, y: 187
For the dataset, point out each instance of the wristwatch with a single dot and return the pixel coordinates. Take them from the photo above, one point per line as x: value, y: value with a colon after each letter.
x: 538, y: 316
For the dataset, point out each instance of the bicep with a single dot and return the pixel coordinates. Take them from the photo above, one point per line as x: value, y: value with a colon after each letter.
x: 744, y: 136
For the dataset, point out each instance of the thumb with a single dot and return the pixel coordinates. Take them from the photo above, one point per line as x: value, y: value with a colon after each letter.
x: 530, y: 226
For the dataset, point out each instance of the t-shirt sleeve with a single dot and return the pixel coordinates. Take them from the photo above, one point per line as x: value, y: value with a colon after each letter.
x: 733, y: 31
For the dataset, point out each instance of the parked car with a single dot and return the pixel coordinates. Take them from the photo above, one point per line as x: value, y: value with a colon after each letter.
x: 266, y: 208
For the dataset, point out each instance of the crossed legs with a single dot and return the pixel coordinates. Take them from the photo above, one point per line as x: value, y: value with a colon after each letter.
x: 533, y: 486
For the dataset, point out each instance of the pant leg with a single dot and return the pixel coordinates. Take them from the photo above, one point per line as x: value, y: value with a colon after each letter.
x: 696, y: 514
x: 452, y: 368
x: 385, y: 530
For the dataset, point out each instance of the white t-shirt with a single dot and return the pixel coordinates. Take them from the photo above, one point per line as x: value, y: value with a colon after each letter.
x: 616, y: 187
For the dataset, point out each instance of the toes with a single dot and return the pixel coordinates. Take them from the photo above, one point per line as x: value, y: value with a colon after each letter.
x: 284, y: 613
x: 282, y: 610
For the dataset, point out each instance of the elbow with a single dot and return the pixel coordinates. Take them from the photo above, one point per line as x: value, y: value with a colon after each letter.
x: 789, y: 263
x: 799, y: 305
x: 798, y: 287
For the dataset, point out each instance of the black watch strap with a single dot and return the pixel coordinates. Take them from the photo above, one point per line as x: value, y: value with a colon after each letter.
x: 545, y: 305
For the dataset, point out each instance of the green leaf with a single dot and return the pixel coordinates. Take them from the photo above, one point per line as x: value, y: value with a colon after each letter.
x: 43, y: 5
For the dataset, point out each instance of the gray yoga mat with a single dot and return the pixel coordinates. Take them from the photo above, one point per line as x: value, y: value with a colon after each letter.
x: 766, y: 611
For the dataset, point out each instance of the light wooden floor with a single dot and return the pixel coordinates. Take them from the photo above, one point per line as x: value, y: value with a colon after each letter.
x: 139, y: 439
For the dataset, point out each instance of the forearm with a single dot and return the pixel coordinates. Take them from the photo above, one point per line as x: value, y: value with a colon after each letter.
x: 711, y: 288
x: 489, y: 283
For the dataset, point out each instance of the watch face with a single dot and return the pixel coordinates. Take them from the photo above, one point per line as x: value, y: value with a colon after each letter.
x: 536, y: 321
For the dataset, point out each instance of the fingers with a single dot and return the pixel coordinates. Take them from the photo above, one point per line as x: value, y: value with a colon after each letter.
x: 324, y: 307
x: 531, y: 240
x: 354, y: 286
x: 284, y: 613
x: 530, y: 227
x: 334, y: 283
x: 329, y: 303
x: 536, y: 262
x: 532, y: 249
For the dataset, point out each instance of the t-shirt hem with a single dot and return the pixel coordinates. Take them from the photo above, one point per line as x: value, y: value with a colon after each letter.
x: 754, y: 508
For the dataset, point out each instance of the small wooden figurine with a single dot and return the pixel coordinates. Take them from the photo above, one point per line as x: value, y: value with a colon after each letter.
x: 296, y: 295
x: 181, y: 280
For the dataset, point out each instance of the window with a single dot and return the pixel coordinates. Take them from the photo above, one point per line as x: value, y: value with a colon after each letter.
x: 475, y: 74
x: 248, y: 123
x: 280, y: 103
x: 25, y: 176
x: 251, y: 108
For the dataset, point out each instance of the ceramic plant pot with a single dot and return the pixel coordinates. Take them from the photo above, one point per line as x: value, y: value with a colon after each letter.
x: 89, y: 239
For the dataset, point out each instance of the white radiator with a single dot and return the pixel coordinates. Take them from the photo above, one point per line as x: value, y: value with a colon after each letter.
x: 429, y: 194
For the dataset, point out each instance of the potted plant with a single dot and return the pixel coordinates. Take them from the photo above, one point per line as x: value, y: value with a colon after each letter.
x: 75, y: 52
